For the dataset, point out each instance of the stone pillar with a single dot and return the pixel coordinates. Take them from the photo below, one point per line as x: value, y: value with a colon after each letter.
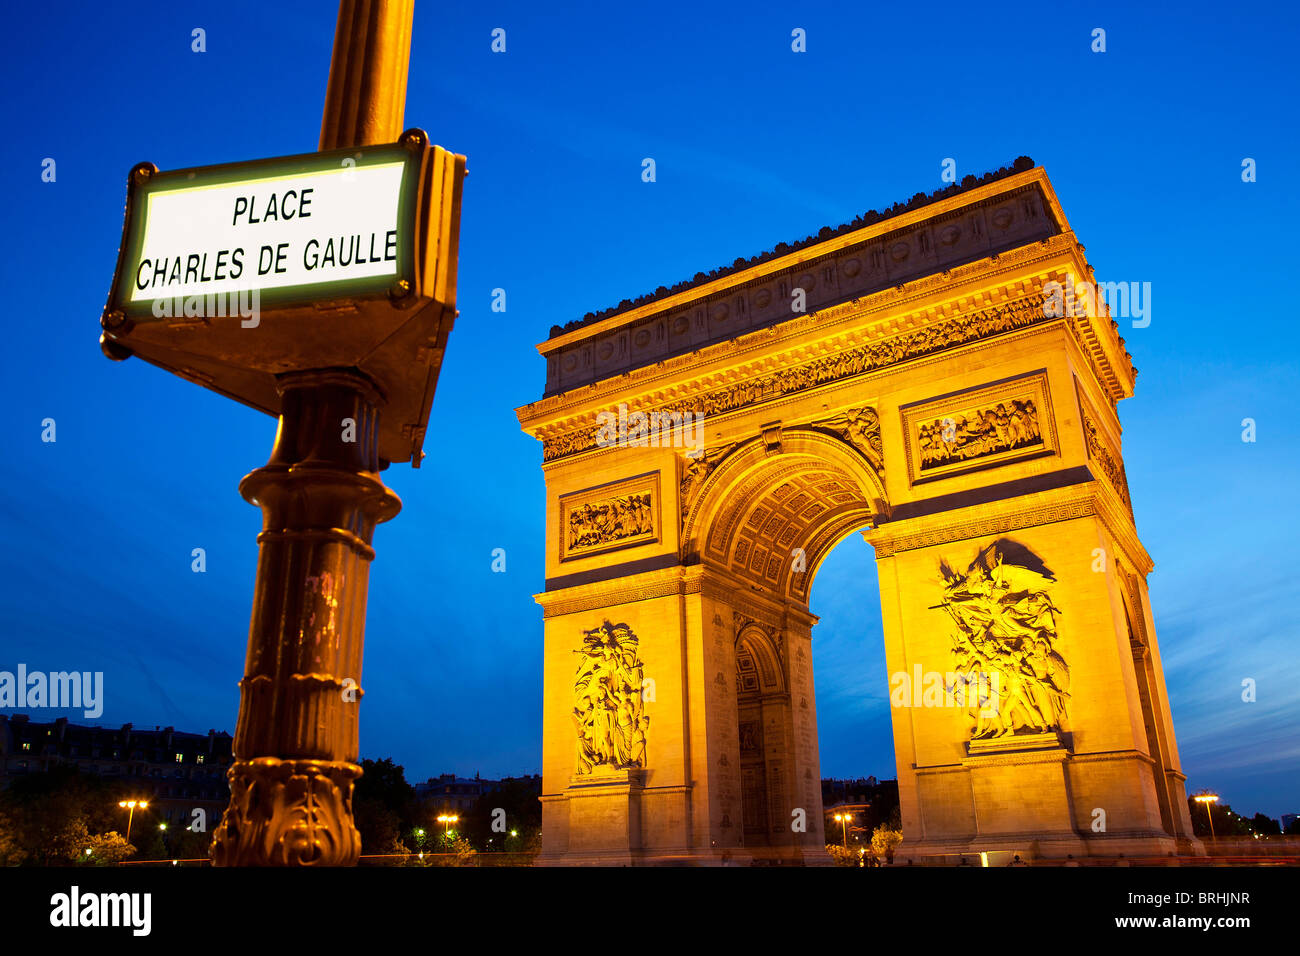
x: 1097, y: 780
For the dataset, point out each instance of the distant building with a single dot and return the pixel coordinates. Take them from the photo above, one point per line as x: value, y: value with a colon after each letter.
x: 1287, y: 820
x: 450, y: 792
x: 175, y: 771
x: 856, y: 829
x: 868, y: 802
x: 861, y: 790
x: 459, y: 794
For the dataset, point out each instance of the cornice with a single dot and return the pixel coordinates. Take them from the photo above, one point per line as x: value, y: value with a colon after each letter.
x: 553, y: 413
x: 613, y: 592
x: 1091, y: 499
x: 708, y: 580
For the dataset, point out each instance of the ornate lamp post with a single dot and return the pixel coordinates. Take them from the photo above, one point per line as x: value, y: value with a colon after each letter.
x: 348, y: 362
x: 321, y: 496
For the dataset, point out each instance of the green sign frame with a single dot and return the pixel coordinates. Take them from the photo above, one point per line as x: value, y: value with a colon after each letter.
x: 145, y: 181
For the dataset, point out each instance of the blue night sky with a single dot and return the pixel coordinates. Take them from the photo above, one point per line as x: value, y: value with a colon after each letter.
x: 754, y: 145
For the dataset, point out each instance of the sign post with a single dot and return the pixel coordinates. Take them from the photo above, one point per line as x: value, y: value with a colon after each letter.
x: 321, y: 289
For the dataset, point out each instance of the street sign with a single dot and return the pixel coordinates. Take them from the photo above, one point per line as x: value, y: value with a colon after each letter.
x: 231, y: 275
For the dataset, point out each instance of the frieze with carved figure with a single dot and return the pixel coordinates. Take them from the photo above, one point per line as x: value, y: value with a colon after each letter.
x: 696, y: 468
x: 861, y: 429
x: 618, y: 516
x: 923, y: 341
x: 608, y: 705
x: 977, y: 428
x: 1004, y: 642
x: 976, y: 432
x: 1112, y: 469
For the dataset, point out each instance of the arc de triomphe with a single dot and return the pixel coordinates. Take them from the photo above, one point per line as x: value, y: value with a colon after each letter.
x: 920, y: 377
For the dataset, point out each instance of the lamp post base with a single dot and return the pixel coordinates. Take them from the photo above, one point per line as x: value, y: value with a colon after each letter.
x: 289, y: 813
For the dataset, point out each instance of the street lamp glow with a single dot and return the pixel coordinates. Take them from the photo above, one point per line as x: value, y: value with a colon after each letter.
x: 1205, y: 799
x: 843, y: 820
x: 130, y: 806
x: 447, y: 819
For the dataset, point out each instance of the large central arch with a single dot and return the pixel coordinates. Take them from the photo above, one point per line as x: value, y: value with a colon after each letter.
x: 705, y: 449
x: 775, y: 506
x: 766, y: 515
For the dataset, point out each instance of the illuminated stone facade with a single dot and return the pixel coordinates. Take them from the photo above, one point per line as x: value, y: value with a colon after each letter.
x: 927, y: 399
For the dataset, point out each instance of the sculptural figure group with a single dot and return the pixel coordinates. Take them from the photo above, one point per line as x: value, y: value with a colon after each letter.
x: 1005, y: 632
x: 609, y: 709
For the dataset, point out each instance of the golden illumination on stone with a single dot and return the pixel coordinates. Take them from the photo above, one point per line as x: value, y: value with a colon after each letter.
x: 928, y: 400
x: 609, y: 712
x: 1005, y: 629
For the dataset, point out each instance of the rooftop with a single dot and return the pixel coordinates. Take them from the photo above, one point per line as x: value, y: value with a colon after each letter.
x: 785, y: 248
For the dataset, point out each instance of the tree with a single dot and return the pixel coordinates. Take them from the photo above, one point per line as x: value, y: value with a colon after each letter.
x: 378, y: 825
x: 884, y: 841
x: 522, y: 813
x: 1265, y: 826
x: 843, y: 856
x: 1226, y: 821
x: 185, y: 844
x: 106, y: 849
x: 383, y: 805
x: 459, y: 853
x: 53, y: 815
x: 11, y: 854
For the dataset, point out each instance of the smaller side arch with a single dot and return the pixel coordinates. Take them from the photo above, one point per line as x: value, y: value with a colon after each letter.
x: 759, y: 669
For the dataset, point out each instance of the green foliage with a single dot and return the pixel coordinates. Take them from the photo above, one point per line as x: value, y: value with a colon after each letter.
x: 106, y: 849
x: 383, y: 805
x: 523, y: 815
x: 884, y: 841
x: 843, y: 856
x: 11, y: 853
x: 459, y: 852
x: 51, y: 818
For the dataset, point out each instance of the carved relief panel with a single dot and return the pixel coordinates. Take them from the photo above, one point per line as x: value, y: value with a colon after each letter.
x: 979, y: 428
x: 608, y: 705
x: 1097, y: 440
x: 622, y: 514
x: 1008, y: 673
